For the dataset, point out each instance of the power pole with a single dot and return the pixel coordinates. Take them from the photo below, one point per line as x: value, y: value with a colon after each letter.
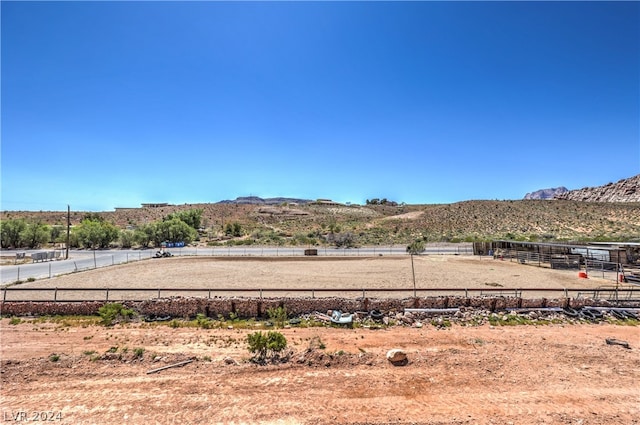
x: 413, y: 272
x: 66, y: 257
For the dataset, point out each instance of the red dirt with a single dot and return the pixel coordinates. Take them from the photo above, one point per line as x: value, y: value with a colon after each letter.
x: 554, y: 374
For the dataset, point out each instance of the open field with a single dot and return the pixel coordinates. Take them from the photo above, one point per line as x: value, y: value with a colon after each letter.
x: 304, y: 274
x: 79, y: 372
x: 553, y: 374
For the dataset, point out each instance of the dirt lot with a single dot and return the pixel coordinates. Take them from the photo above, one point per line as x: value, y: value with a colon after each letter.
x: 433, y: 271
x: 77, y: 373
x: 555, y: 374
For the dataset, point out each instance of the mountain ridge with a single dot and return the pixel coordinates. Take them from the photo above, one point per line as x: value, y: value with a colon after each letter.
x: 624, y: 190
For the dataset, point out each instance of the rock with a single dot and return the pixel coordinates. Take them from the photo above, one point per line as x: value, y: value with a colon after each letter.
x: 625, y: 190
x: 397, y: 357
x: 230, y: 361
x: 407, y: 318
x: 418, y: 324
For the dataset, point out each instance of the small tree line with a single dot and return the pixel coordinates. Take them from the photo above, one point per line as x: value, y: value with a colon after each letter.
x: 94, y: 232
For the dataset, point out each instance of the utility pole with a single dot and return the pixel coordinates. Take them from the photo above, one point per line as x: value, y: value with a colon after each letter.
x: 413, y: 272
x: 66, y: 257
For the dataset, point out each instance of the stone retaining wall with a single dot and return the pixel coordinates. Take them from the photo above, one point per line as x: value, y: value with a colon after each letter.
x: 258, y: 307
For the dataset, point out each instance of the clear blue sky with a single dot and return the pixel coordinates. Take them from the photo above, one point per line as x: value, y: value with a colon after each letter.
x: 112, y: 104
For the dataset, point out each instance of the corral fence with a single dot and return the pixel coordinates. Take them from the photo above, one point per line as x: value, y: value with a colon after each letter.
x: 88, y: 260
x: 613, y: 294
x: 592, y: 267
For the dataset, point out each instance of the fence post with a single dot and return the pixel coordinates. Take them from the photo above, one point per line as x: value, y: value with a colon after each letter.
x: 55, y: 294
x: 4, y: 295
x: 18, y: 274
x: 49, y: 270
x: 209, y: 294
x: 466, y: 294
x: 158, y: 293
x: 313, y: 293
x: 260, y: 293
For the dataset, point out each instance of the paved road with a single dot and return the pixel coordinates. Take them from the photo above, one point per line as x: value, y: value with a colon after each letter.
x: 80, y: 260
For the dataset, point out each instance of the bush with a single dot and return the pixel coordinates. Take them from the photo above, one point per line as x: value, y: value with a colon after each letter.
x: 114, y: 311
x: 266, y: 346
x: 278, y: 315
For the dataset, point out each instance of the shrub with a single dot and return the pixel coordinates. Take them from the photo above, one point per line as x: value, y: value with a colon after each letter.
x: 114, y: 311
x: 138, y: 352
x: 266, y: 346
x: 203, y: 321
x: 54, y: 358
x: 15, y: 321
x: 278, y: 315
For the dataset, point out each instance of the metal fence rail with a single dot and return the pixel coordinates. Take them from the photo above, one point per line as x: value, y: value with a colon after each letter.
x: 594, y: 267
x: 53, y: 294
x: 84, y: 260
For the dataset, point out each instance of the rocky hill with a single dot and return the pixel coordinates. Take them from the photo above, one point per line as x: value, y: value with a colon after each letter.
x: 310, y: 224
x: 625, y: 190
x: 256, y: 200
x: 546, y: 193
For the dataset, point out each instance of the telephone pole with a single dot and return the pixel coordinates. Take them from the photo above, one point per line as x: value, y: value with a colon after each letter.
x: 66, y: 257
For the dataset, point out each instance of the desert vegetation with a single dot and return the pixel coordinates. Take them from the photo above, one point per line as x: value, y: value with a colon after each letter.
x: 377, y: 223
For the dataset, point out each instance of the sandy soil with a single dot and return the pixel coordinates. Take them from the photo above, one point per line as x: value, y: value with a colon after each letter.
x: 433, y: 271
x: 554, y: 374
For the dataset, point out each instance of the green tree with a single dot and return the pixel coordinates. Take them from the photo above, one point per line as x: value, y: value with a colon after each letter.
x: 10, y: 232
x: 173, y: 230
x: 127, y: 238
x: 192, y: 217
x: 144, y: 235
x: 58, y: 234
x: 35, y: 234
x: 416, y: 247
x: 96, y: 234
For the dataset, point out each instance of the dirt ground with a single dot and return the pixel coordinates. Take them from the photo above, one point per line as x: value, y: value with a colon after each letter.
x: 302, y: 273
x: 67, y: 371
x: 553, y: 374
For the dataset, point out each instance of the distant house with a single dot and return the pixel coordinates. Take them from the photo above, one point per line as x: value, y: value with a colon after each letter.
x: 327, y: 202
x: 160, y: 205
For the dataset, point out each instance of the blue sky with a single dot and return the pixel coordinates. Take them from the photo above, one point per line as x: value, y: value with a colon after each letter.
x: 112, y: 104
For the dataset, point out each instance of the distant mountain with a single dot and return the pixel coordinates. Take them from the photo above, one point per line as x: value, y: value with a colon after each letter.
x: 255, y: 200
x: 546, y: 193
x: 625, y: 190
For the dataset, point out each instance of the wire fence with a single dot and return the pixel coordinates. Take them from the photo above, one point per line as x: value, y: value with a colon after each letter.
x: 46, y: 266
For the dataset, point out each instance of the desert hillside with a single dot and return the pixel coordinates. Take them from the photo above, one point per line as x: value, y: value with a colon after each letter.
x: 385, y: 224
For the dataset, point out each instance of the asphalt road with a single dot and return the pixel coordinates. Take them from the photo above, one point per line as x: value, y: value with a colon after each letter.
x: 80, y: 260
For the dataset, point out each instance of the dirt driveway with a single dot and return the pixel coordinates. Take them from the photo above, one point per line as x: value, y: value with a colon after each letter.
x: 553, y: 374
